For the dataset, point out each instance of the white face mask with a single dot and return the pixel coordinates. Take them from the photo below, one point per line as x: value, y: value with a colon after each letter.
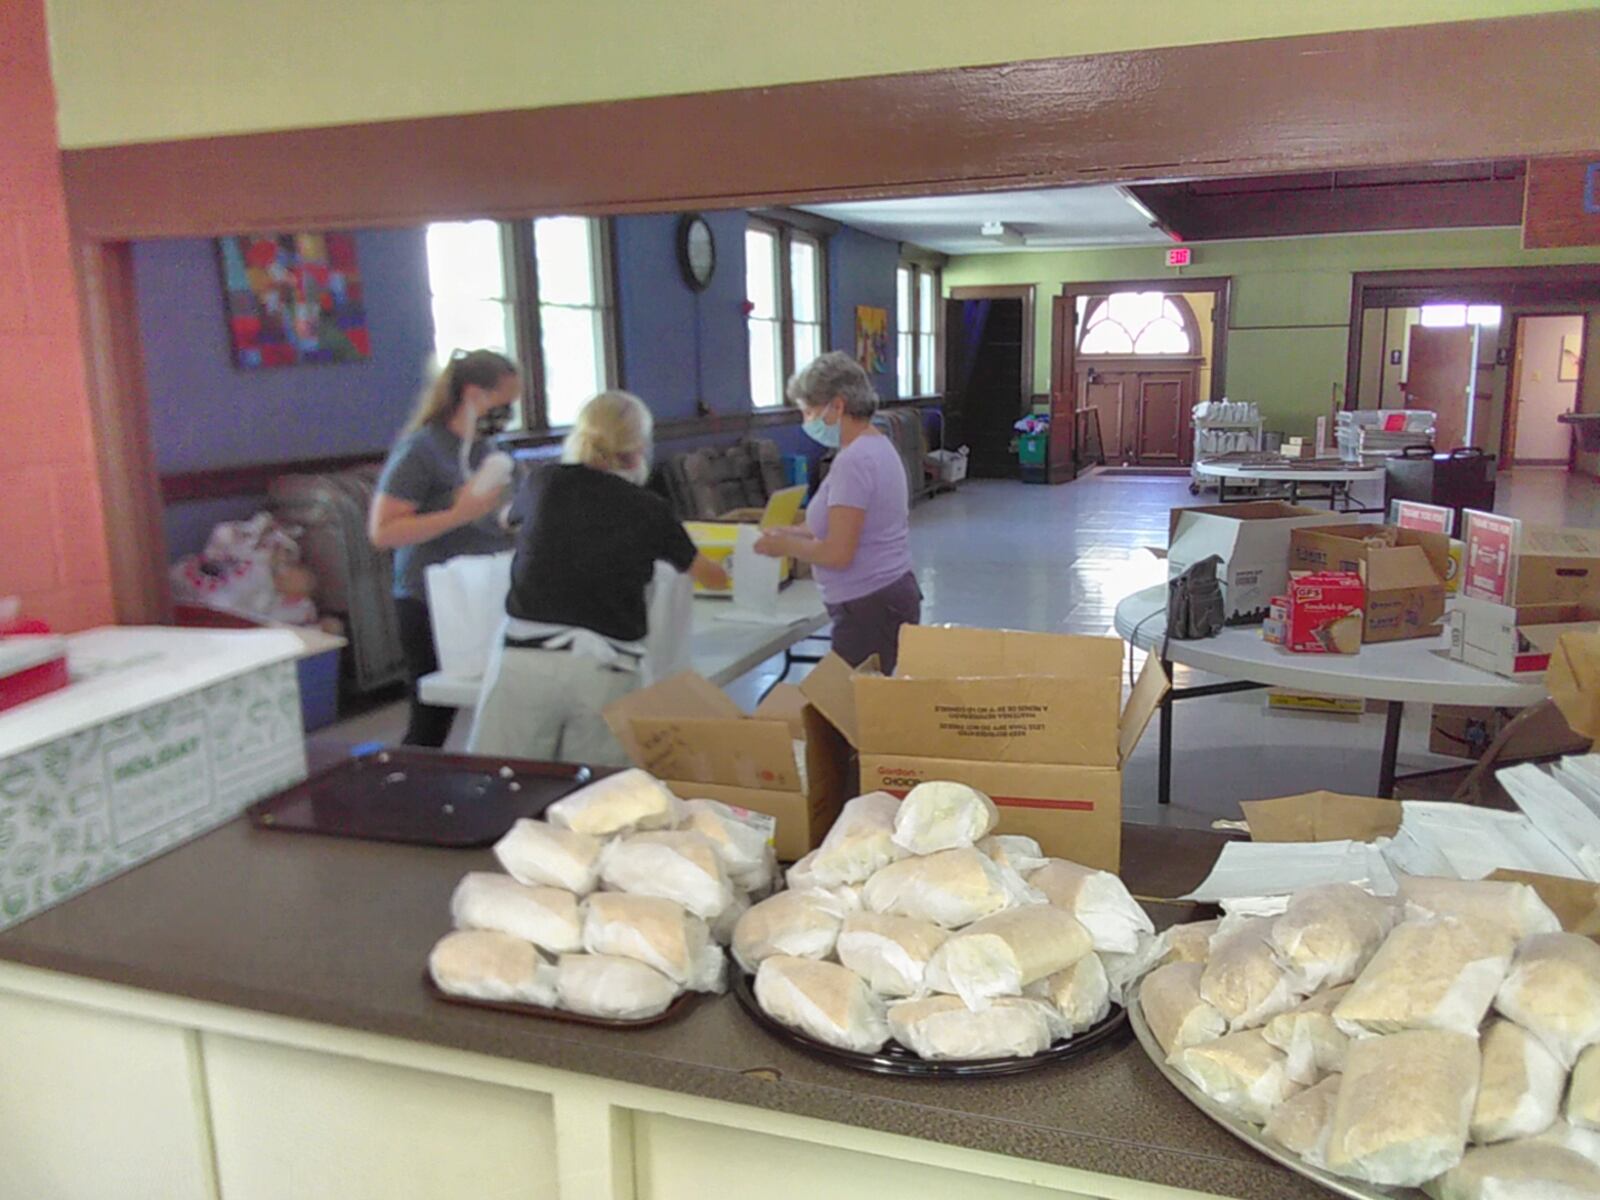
x: 638, y: 474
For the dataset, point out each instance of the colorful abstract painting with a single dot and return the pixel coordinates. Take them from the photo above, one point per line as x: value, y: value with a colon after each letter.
x: 872, y: 338
x: 294, y: 298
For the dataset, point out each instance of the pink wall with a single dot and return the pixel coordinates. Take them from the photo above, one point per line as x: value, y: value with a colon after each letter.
x: 52, y: 534
x: 1541, y: 396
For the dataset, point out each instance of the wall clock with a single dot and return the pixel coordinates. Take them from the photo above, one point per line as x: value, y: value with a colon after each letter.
x: 697, y: 251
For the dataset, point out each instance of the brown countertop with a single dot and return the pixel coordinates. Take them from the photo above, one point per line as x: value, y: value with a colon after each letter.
x: 337, y: 932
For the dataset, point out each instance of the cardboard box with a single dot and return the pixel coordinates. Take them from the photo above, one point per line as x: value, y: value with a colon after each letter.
x: 688, y: 733
x: 163, y: 735
x: 715, y: 539
x: 1035, y: 720
x: 1467, y: 731
x: 1321, y: 817
x: 1574, y: 681
x: 1556, y: 566
x: 1253, y: 542
x: 1403, y: 570
x: 1515, y: 639
x: 1325, y: 613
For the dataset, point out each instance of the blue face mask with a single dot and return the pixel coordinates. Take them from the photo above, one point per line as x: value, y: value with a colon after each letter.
x: 821, y: 432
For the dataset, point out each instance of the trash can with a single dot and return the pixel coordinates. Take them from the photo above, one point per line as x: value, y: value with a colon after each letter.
x: 1032, y: 452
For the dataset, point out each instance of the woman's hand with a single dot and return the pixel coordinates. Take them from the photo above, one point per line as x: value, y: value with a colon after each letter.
x: 472, y: 505
x: 776, y: 543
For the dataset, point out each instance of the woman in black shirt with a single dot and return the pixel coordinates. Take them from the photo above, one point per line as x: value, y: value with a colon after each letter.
x: 588, y: 539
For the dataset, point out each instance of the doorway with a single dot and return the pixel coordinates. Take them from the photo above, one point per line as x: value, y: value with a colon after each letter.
x: 1544, y: 384
x: 988, y: 373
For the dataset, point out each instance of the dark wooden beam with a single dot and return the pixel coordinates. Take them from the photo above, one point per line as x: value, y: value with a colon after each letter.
x: 1563, y: 202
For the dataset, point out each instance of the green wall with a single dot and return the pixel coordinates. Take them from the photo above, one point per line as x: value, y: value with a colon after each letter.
x: 1289, y: 327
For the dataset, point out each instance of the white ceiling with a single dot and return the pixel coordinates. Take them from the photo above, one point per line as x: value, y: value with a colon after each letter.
x: 1049, y: 219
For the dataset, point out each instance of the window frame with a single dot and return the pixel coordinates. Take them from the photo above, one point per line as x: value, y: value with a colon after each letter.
x: 787, y: 227
x: 520, y: 263
x: 922, y: 266
x: 1099, y: 300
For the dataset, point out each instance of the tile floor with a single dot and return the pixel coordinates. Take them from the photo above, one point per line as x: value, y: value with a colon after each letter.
x: 1059, y: 559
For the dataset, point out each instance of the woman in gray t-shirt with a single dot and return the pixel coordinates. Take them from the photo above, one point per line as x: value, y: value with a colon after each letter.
x: 425, y: 513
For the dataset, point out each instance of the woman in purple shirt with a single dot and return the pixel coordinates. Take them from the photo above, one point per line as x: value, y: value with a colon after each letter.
x: 857, y: 533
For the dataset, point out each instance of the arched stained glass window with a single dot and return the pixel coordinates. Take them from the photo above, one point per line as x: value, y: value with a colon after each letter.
x: 1139, y: 323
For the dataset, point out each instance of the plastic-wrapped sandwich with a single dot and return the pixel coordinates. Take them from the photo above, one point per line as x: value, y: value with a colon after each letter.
x: 891, y: 953
x: 1099, y: 900
x: 546, y: 916
x: 1329, y: 933
x: 743, y: 840
x: 1179, y: 1018
x: 1520, y: 1085
x: 943, y: 1028
x: 1301, y: 1124
x: 540, y: 854
x: 673, y: 865
x: 612, y: 987
x: 660, y: 934
x: 1081, y: 993
x: 951, y: 888
x: 1307, y: 1035
x: 481, y: 964
x: 823, y: 1000
x: 1569, y: 1137
x: 800, y: 923
x: 860, y: 843
x: 1404, y: 1107
x: 1519, y: 1171
x: 1514, y: 908
x: 1002, y: 954
x: 1242, y: 979
x: 1123, y: 971
x: 1190, y: 942
x: 1240, y: 1072
x: 1432, y: 973
x: 1553, y: 991
x: 1583, y: 1097
x: 1021, y: 854
x: 943, y: 816
x: 622, y: 803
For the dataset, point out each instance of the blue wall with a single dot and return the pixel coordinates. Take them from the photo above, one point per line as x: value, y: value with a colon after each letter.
x: 861, y: 271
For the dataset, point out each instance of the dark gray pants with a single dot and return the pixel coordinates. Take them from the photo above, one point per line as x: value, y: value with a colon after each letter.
x: 871, y: 624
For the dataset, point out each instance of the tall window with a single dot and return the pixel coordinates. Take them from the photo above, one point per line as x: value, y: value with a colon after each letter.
x: 1139, y: 323
x: 917, y: 329
x: 786, y: 285
x: 538, y: 291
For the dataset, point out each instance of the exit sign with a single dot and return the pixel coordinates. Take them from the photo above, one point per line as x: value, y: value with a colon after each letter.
x: 1179, y: 256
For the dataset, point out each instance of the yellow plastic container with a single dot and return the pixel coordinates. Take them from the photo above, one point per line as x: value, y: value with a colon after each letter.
x: 715, y: 539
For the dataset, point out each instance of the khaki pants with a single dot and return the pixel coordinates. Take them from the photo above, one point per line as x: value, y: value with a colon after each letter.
x: 546, y: 704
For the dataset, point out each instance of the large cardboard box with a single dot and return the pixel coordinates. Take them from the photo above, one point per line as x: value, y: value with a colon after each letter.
x: 1253, y: 542
x: 1404, y: 572
x: 162, y: 735
x: 689, y: 734
x: 1036, y: 721
x: 1509, y: 562
x: 1515, y: 639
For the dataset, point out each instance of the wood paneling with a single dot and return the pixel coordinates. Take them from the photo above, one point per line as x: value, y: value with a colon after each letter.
x: 1563, y: 202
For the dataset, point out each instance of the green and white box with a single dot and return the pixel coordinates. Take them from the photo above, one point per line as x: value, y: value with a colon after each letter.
x: 163, y: 735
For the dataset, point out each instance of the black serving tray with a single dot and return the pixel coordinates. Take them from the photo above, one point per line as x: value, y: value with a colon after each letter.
x: 421, y: 797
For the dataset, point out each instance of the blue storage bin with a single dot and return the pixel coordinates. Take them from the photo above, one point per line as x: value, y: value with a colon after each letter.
x: 319, y: 690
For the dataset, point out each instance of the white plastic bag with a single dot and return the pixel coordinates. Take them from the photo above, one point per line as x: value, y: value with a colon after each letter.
x: 1583, y: 1097
x: 1242, y: 979
x: 467, y: 604
x: 660, y: 934
x: 1301, y: 1124
x: 951, y: 888
x: 943, y: 816
x: 669, y: 620
x: 891, y: 953
x: 798, y: 923
x: 1430, y: 973
x: 1240, y: 1072
x: 1515, y: 908
x: 1308, y: 1037
x: 672, y: 865
x: 1123, y: 971
x: 1177, y: 1016
x: 860, y: 843
x: 1404, y: 1106
x: 482, y: 964
x: 1022, y: 854
x: 1520, y: 1085
x: 1329, y: 933
x: 622, y: 803
x: 1002, y: 954
x: 943, y: 1028
x: 1190, y: 942
x: 1081, y: 994
x: 1553, y: 991
x: 613, y: 988
x: 822, y: 1000
x: 537, y: 853
x: 1099, y: 900
x: 1519, y: 1171
x: 743, y: 840
x: 546, y: 916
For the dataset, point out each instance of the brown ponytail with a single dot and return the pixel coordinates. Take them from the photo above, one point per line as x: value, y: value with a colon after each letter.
x: 475, y: 368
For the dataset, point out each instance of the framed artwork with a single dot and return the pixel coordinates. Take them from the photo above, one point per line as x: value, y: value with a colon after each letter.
x: 294, y: 298
x: 872, y: 338
x: 1571, y: 357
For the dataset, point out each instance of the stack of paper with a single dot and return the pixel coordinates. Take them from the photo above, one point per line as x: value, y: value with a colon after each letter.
x: 1560, y: 812
x: 1462, y: 842
x: 1250, y: 870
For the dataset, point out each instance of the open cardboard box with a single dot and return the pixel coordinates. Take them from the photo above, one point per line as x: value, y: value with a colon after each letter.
x: 1253, y: 542
x: 1515, y: 639
x: 688, y: 733
x: 1035, y: 721
x: 1403, y: 569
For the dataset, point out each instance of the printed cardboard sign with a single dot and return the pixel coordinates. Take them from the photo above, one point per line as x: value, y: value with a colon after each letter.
x: 1426, y: 518
x: 1491, y: 556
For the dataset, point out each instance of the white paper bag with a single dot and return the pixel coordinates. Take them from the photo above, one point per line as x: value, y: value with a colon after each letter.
x: 670, y: 610
x: 755, y: 576
x: 467, y: 602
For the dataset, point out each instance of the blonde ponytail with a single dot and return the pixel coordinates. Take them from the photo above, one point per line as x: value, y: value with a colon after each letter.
x: 441, y: 398
x: 611, y: 428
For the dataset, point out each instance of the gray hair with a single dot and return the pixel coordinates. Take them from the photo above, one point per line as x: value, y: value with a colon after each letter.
x: 832, y: 375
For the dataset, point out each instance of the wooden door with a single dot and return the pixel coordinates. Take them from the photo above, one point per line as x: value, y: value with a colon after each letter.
x: 1063, y: 459
x: 1103, y: 391
x: 1162, y: 420
x: 1441, y: 376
